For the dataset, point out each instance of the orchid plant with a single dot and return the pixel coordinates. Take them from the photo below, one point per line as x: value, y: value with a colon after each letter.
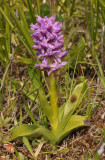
x: 49, y: 49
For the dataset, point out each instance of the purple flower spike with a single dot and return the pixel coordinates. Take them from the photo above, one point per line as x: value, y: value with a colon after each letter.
x: 48, y: 44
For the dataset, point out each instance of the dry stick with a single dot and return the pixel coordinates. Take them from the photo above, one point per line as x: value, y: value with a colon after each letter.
x: 2, y: 82
x: 102, y: 47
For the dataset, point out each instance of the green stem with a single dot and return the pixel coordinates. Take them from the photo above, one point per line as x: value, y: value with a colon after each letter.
x: 53, y: 8
x: 93, y: 49
x: 53, y: 99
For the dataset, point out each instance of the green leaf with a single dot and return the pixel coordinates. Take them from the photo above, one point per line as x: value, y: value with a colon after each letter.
x: 29, y: 48
x: 102, y: 2
x: 87, y: 156
x: 31, y: 10
x: 47, y: 108
x: 68, y: 124
x: 27, y: 144
x: 35, y: 77
x: 103, y: 13
x: 101, y: 76
x: 45, y: 10
x: 38, y: 2
x: 23, y: 29
x: 1, y: 96
x: 77, y: 53
x: 32, y: 131
x: 27, y: 92
x: 61, y: 112
x: 29, y: 111
x: 81, y: 42
x: 96, y: 156
x: 20, y: 156
x: 26, y: 60
x: 104, y: 133
x: 74, y: 99
x: 15, y: 83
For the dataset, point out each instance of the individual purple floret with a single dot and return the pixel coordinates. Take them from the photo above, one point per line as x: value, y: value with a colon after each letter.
x: 48, y: 44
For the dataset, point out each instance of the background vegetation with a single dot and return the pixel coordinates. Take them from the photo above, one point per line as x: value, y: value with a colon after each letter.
x: 84, y: 37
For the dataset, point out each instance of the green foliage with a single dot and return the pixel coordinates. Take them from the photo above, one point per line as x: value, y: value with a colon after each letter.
x: 45, y: 10
x: 32, y: 131
x: 74, y: 99
x: 67, y: 123
x: 96, y: 156
x: 104, y: 133
x: 91, y: 18
x: 102, y: 2
x: 35, y: 77
x: 46, y: 108
x: 100, y: 74
x: 77, y: 53
x: 29, y: 112
x: 27, y: 144
x: 82, y: 23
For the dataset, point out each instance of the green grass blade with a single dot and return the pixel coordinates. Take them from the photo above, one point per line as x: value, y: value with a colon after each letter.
x: 7, y: 31
x: 91, y: 108
x: 29, y: 112
x: 98, y: 104
x: 103, y: 13
x: 87, y: 17
x: 13, y: 27
x: 102, y: 2
x: 96, y: 156
x: 92, y: 19
x: 27, y: 144
x: 21, y: 9
x: 72, y: 8
x: 24, y: 31
x: 97, y: 19
x: 102, y: 78
x: 104, y: 133
x: 31, y: 11
x: 38, y: 2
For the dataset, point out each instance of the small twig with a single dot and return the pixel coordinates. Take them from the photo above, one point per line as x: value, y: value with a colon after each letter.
x: 38, y: 149
x: 2, y: 82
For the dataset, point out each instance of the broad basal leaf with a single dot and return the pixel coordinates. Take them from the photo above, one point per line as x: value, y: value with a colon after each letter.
x: 30, y: 131
x: 65, y: 127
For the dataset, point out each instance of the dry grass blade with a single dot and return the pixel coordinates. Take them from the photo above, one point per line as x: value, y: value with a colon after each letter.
x: 39, y: 149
